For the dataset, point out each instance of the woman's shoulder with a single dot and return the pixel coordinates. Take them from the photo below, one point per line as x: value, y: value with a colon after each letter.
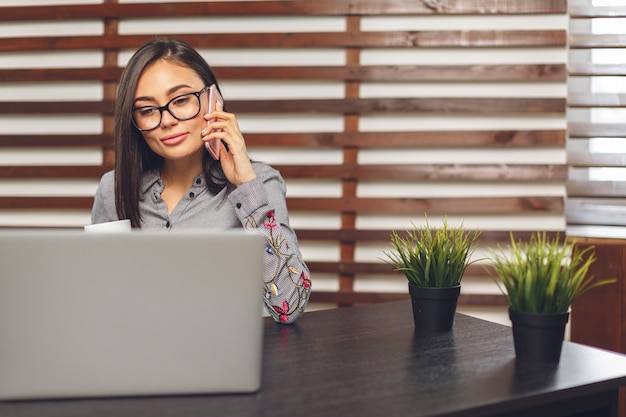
x: 108, y: 179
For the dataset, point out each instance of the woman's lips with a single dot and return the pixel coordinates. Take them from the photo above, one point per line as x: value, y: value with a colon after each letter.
x: 175, y: 139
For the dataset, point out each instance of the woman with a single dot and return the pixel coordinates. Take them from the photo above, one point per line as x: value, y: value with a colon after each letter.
x: 165, y: 179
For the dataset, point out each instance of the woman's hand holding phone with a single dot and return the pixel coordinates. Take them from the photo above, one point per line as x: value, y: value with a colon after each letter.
x: 223, y: 129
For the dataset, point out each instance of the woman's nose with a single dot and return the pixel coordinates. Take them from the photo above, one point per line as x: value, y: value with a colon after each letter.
x: 167, y: 119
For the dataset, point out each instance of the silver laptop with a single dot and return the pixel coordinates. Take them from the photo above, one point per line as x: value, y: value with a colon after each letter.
x: 129, y: 314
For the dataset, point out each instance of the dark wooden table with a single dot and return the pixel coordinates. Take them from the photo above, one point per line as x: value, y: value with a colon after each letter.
x: 368, y: 361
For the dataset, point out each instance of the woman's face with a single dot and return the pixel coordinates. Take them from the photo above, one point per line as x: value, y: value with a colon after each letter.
x: 159, y: 83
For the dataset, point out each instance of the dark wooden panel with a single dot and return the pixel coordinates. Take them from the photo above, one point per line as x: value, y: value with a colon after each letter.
x: 55, y: 140
x: 433, y: 172
x: 426, y: 39
x: 448, y: 206
x: 598, y: 319
x: 423, y: 139
x: 344, y: 106
x: 288, y: 7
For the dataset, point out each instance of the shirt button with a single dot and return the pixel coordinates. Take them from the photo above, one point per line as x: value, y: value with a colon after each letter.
x: 167, y: 224
x: 198, y: 181
x: 238, y: 205
x: 191, y: 195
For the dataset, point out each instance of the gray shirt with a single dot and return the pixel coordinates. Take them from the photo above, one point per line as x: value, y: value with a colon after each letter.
x: 258, y: 205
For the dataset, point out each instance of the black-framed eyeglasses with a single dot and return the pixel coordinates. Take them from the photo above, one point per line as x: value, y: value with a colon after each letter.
x: 183, y: 107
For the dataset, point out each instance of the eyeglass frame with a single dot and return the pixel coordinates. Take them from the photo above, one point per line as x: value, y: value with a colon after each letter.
x: 161, y: 109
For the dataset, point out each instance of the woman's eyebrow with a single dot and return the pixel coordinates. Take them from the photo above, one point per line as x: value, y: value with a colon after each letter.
x: 168, y: 92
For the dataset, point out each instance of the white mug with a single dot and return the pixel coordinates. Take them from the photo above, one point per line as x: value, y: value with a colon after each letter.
x: 109, y: 227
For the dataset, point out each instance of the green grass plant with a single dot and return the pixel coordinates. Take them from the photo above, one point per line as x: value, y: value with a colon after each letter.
x: 544, y: 275
x: 432, y: 257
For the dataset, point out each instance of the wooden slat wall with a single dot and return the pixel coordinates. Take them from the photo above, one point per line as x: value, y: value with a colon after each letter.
x: 597, y: 184
x: 339, y: 247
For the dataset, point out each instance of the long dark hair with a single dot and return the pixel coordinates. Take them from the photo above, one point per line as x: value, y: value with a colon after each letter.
x: 133, y: 156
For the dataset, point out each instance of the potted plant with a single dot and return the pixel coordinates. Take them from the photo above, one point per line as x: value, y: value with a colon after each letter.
x: 433, y: 261
x: 540, y: 280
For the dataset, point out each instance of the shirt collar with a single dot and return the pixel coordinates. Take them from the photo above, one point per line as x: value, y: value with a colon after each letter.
x: 153, y: 178
x: 149, y: 179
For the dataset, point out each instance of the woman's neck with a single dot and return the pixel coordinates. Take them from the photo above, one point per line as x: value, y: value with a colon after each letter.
x: 180, y: 173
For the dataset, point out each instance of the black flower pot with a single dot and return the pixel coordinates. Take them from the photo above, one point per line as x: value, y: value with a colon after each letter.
x: 434, y: 308
x: 538, y: 337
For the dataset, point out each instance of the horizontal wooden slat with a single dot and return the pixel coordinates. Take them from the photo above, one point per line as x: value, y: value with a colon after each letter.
x: 60, y: 74
x: 474, y: 73
x: 56, y: 140
x: 419, y: 139
x: 539, y: 173
x: 425, y: 39
x: 434, y: 139
x: 349, y: 297
x: 367, y: 268
x: 345, y: 106
x: 442, y: 172
x: 590, y: 130
x: 487, y: 237
x: 479, y: 105
x: 56, y: 107
x: 47, y: 203
x: 596, y: 100
x: 583, y: 41
x: 354, y: 297
x: 289, y: 7
x: 449, y: 206
x: 53, y: 171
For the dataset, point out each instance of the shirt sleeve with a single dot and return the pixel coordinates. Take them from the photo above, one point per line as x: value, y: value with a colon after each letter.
x: 260, y: 205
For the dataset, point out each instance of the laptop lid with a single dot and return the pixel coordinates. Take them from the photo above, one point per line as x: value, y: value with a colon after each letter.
x: 126, y: 314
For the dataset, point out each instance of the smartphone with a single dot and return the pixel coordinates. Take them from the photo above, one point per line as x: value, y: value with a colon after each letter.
x: 214, y: 145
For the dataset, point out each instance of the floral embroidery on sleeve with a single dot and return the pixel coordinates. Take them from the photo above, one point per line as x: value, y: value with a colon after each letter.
x: 287, y: 281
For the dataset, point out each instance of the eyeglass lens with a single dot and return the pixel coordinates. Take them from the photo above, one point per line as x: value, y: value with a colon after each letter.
x: 183, y: 107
